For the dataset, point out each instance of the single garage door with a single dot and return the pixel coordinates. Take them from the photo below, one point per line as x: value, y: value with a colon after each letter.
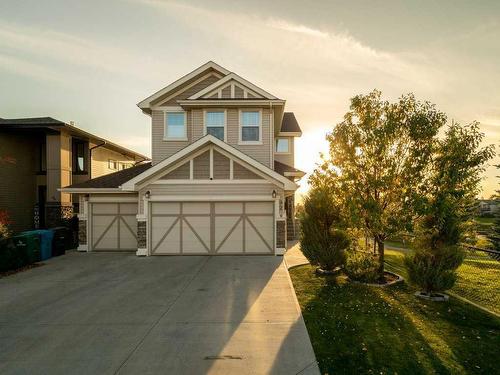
x: 212, y: 228
x: 114, y: 226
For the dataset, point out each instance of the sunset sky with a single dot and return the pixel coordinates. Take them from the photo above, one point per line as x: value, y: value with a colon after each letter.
x: 91, y: 61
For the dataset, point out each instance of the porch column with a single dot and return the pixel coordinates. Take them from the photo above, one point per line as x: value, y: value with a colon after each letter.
x: 280, y: 235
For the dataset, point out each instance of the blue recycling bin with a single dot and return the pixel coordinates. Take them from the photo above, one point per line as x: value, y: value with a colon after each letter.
x: 46, y: 237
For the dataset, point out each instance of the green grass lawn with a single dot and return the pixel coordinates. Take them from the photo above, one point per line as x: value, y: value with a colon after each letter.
x: 478, y: 278
x: 484, y: 220
x: 357, y: 329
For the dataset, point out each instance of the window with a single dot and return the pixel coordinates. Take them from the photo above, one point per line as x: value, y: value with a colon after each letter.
x: 42, y: 167
x: 214, y: 123
x: 112, y: 164
x: 80, y: 156
x: 282, y: 145
x: 250, y: 126
x: 175, y: 125
x: 125, y: 165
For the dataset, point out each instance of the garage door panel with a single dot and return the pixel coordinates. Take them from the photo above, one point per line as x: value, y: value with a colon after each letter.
x: 114, y: 226
x: 188, y: 227
x: 165, y: 235
x: 196, y: 235
x: 259, y: 234
x: 228, y: 208
x: 228, y: 235
x: 105, y: 233
x: 197, y: 208
x: 105, y: 208
x: 165, y: 208
x: 259, y: 208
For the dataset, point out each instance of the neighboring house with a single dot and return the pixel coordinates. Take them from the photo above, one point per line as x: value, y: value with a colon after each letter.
x: 38, y: 156
x: 221, y: 179
x: 488, y: 207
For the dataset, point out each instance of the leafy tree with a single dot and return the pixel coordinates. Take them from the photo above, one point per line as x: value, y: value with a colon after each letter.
x: 449, y: 207
x: 494, y: 233
x: 323, y: 242
x: 379, y: 155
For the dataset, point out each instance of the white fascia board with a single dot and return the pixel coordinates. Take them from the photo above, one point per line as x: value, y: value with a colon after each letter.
x: 91, y: 190
x: 145, y: 103
x: 294, y: 174
x: 238, y: 79
x: 289, y: 134
x: 225, y: 102
x: 131, y: 185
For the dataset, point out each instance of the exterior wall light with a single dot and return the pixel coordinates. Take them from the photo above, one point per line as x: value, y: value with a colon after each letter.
x: 147, y: 194
x: 274, y: 194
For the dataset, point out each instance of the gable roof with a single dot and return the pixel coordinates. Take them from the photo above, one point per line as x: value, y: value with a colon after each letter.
x: 290, y: 125
x: 226, y: 79
x: 209, y: 65
x: 133, y: 184
x: 51, y: 124
x: 112, y: 180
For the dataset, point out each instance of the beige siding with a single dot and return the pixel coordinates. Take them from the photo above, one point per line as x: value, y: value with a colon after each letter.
x: 100, y: 161
x: 238, y: 92
x: 162, y: 149
x: 211, y: 189
x: 289, y: 158
x: 226, y: 93
x: 242, y: 173
x: 181, y: 173
x: 221, y: 166
x: 190, y: 91
x: 201, y: 166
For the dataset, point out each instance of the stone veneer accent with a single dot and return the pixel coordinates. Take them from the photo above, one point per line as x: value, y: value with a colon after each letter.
x: 281, y: 234
x: 56, y: 213
x: 82, y: 232
x: 141, y: 234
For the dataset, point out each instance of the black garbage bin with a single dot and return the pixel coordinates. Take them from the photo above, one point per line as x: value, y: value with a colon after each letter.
x: 63, y: 240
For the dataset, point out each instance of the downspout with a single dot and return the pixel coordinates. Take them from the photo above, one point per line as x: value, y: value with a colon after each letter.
x: 90, y: 157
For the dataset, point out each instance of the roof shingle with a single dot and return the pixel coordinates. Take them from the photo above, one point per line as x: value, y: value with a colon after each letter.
x: 289, y: 123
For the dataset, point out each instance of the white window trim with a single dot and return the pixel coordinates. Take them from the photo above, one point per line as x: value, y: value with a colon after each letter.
x: 240, y: 127
x: 276, y: 148
x: 225, y: 120
x: 115, y: 163
x: 165, y: 125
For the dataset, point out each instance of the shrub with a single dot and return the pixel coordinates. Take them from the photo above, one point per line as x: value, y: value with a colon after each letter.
x: 361, y: 266
x: 11, y: 257
x: 434, y: 270
x: 323, y: 244
x: 4, y: 224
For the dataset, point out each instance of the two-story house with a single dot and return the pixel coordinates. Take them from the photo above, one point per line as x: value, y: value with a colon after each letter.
x: 221, y: 179
x: 38, y: 156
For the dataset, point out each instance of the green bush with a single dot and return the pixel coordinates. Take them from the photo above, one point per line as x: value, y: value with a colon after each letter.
x: 362, y: 267
x: 434, y: 271
x: 11, y: 257
x: 321, y: 240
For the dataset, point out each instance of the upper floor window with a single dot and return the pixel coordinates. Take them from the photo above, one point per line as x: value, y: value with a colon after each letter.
x: 250, y: 126
x: 282, y: 145
x: 175, y: 125
x: 215, y: 122
x: 80, y: 156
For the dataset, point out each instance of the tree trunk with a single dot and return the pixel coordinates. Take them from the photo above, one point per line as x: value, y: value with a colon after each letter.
x: 381, y: 250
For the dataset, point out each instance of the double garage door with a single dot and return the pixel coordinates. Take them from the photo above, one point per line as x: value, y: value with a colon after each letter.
x: 113, y: 226
x: 211, y: 228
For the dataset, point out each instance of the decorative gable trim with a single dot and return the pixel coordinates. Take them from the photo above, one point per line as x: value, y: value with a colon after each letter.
x: 156, y: 172
x: 232, y: 85
x: 209, y: 65
x: 243, y: 83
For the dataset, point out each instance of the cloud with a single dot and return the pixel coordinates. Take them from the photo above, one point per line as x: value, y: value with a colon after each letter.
x: 287, y: 26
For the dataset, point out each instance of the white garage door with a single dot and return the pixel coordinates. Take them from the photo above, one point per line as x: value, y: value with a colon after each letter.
x: 212, y: 228
x: 114, y: 226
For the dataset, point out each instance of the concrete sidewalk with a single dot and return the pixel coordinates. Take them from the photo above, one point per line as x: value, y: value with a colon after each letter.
x: 116, y: 313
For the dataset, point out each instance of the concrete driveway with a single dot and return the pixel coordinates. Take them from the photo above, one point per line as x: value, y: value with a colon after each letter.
x: 116, y: 313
